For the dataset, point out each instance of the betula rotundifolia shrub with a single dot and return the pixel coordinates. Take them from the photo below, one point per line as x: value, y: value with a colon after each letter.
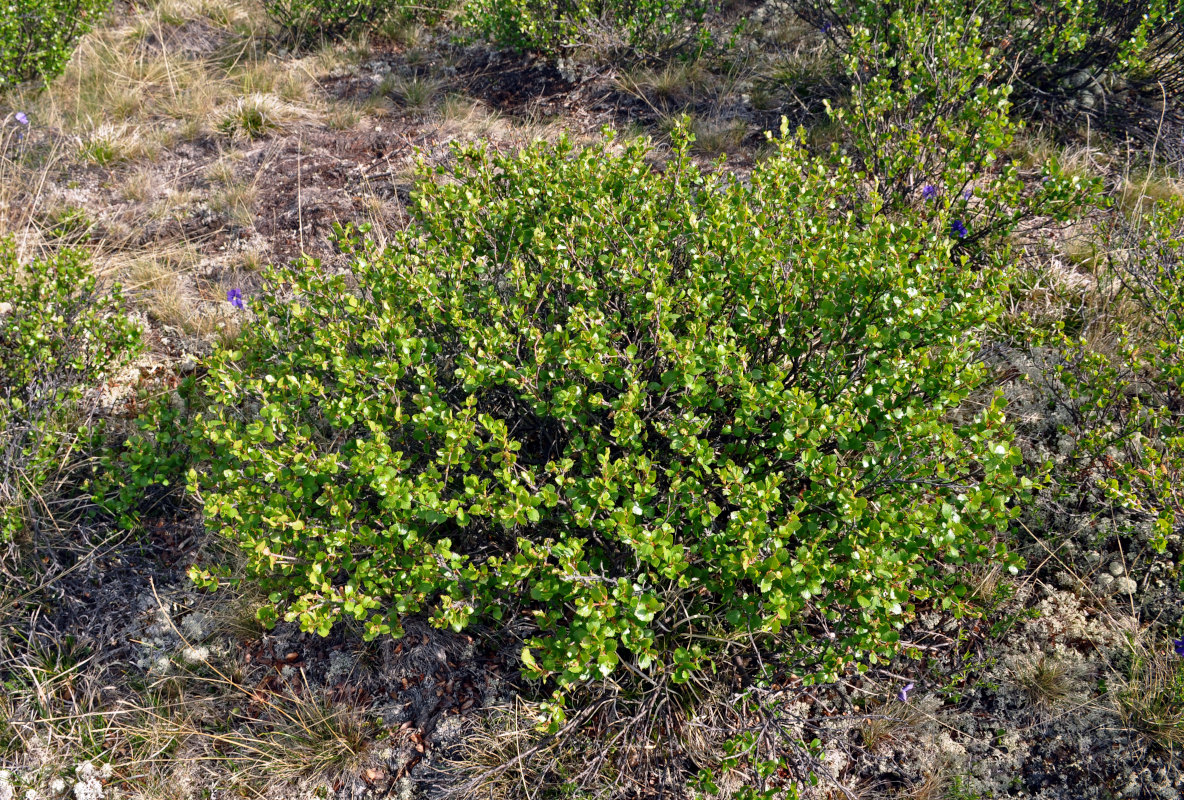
x: 549, y: 27
x: 643, y: 408
x: 61, y: 338
x: 1054, y: 51
x: 37, y: 37
x: 928, y: 122
x: 314, y: 22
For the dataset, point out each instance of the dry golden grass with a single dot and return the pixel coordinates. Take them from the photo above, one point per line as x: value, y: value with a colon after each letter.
x: 254, y: 116
x: 344, y: 116
x: 668, y: 86
x: 163, y: 73
x: 203, y: 722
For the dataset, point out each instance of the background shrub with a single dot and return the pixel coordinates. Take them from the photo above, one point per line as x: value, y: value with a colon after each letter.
x: 37, y: 37
x: 927, y: 123
x: 1057, y: 50
x: 548, y: 26
x: 647, y: 410
x: 59, y: 337
x: 309, y: 22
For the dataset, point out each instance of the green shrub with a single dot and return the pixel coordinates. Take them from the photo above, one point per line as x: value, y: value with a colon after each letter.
x: 536, y: 25
x: 146, y: 468
x: 1052, y: 50
x: 60, y: 338
x: 313, y: 21
x: 37, y: 37
x: 646, y: 409
x: 926, y: 122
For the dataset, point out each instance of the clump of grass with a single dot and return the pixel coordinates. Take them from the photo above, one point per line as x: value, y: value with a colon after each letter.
x: 259, y: 77
x: 343, y: 117
x: 463, y: 117
x: 934, y: 786
x: 403, y: 30
x: 236, y: 201
x: 1045, y: 681
x: 1139, y: 194
x: 161, y: 286
x: 1084, y: 254
x: 503, y: 755
x: 1150, y: 698
x: 292, y: 87
x: 138, y: 185
x: 672, y: 84
x: 109, y: 144
x: 253, y: 261
x: 413, y: 93
x: 251, y: 117
x: 456, y: 107
x: 11, y: 743
x: 310, y: 739
x: 719, y: 137
x: 889, y: 723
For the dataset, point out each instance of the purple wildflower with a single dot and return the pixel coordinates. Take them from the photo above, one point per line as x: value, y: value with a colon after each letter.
x: 1178, y: 644
x: 22, y: 118
x: 959, y: 229
x: 928, y: 191
x: 235, y: 298
x: 825, y: 27
x: 967, y: 193
x: 904, y: 693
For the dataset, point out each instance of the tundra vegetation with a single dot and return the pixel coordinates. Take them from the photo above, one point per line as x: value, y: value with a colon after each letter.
x: 630, y: 398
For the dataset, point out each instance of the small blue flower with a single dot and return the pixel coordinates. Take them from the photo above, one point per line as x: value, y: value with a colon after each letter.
x: 958, y: 229
x: 928, y: 191
x: 235, y: 298
x: 967, y: 193
x: 1178, y: 644
x: 825, y: 27
x: 22, y: 118
x: 904, y: 693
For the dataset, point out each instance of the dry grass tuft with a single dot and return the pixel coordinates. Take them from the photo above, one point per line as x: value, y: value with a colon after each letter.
x: 1150, y: 697
x: 253, y: 116
x: 414, y: 93
x: 933, y: 786
x: 1045, y: 681
x: 672, y: 85
x: 107, y: 145
x: 1139, y: 194
x: 506, y: 757
x: 890, y: 723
